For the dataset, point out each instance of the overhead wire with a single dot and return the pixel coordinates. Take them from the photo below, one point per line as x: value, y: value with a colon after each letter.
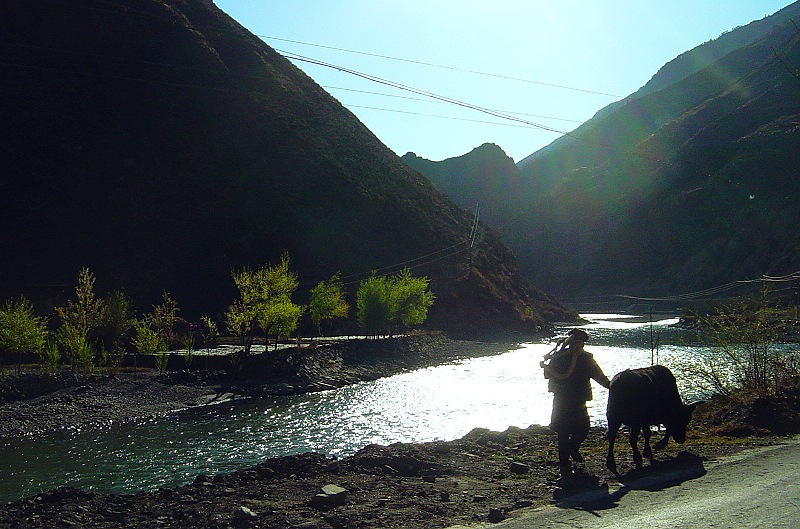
x: 440, y: 103
x: 433, y: 65
x: 709, y: 292
x: 441, y: 117
x: 418, y: 91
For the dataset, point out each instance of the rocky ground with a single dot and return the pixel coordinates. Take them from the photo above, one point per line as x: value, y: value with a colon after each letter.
x: 484, y: 477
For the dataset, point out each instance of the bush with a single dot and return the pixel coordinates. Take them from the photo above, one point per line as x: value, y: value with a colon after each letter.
x: 20, y: 330
x: 383, y: 303
x: 746, y: 355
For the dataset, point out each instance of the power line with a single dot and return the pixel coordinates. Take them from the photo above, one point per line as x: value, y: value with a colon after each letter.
x: 443, y: 103
x: 444, y: 67
x: 709, y: 292
x: 441, y: 117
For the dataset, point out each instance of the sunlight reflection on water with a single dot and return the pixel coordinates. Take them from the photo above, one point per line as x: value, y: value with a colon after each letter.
x: 438, y: 403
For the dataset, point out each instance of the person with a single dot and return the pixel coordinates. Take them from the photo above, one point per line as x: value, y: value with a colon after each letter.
x: 569, y: 369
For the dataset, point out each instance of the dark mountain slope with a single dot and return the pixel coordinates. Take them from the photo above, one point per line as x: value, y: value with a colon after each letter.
x: 681, y: 189
x: 162, y: 145
x: 647, y: 208
x: 681, y: 67
x: 485, y: 178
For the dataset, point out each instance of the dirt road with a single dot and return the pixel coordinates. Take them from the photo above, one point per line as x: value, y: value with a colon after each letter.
x: 756, y: 488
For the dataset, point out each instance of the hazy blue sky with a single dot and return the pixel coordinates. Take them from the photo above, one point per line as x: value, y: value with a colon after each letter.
x: 553, y: 63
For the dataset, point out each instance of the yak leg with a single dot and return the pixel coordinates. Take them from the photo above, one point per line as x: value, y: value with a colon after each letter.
x: 662, y: 443
x: 634, y: 437
x: 648, y: 452
x: 613, y: 428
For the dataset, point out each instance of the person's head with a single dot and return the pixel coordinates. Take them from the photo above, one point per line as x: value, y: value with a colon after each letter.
x: 578, y: 337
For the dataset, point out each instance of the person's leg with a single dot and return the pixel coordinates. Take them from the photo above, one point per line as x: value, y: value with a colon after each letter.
x: 564, y: 452
x: 580, y: 432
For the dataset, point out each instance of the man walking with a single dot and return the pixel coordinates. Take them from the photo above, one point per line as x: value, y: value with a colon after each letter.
x: 569, y: 370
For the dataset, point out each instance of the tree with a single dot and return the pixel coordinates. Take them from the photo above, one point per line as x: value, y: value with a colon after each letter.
x: 747, y: 356
x: 374, y: 305
x: 146, y: 340
x: 116, y: 322
x: 21, y: 331
x: 85, y: 313
x: 411, y: 298
x: 79, y: 320
x: 208, y: 331
x: 264, y: 303
x: 327, y: 301
x: 153, y: 330
x: 400, y: 300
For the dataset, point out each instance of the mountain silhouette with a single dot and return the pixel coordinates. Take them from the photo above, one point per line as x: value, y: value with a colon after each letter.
x: 688, y: 184
x: 162, y: 145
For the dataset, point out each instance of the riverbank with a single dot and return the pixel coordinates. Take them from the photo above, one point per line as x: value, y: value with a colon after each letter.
x: 482, y: 477
x: 41, y: 401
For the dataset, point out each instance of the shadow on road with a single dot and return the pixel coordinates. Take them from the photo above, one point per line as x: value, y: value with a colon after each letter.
x: 587, y: 493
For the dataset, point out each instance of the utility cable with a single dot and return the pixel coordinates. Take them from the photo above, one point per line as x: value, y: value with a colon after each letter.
x: 441, y: 103
x: 418, y: 91
x: 441, y: 117
x: 453, y: 68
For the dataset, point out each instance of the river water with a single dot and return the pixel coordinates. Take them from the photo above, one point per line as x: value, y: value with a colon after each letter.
x: 438, y: 403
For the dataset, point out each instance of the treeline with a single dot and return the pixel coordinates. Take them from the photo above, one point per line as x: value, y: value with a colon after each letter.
x: 89, y: 331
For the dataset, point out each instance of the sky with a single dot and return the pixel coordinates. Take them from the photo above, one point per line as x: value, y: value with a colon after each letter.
x: 431, y: 76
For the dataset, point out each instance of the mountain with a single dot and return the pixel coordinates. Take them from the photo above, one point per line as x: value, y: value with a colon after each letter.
x: 684, y: 65
x: 686, y: 186
x: 485, y: 179
x: 162, y: 145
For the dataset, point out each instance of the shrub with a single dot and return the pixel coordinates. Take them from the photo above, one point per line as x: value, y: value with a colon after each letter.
x: 21, y: 331
x: 746, y: 353
x: 264, y: 303
x: 398, y: 301
x: 74, y: 342
x: 327, y: 302
x: 374, y: 305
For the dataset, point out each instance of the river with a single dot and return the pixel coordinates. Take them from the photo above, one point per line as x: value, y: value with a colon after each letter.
x: 437, y: 403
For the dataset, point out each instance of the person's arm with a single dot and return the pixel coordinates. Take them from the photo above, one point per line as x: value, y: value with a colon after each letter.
x: 598, y: 375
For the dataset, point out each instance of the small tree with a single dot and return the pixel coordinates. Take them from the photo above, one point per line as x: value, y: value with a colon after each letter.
x: 327, y: 301
x: 412, y: 299
x: 401, y: 300
x: 21, y: 331
x: 146, y: 340
x: 86, y: 311
x: 209, y: 333
x: 162, y: 318
x: 265, y: 303
x: 80, y: 318
x: 375, y: 305
x: 152, y: 332
x: 745, y: 354
x: 115, y: 327
x: 76, y: 346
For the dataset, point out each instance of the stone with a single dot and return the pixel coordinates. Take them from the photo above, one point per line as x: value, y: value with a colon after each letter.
x: 265, y: 472
x: 201, y: 480
x: 243, y: 513
x: 496, y: 515
x: 519, y: 468
x: 331, y: 496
